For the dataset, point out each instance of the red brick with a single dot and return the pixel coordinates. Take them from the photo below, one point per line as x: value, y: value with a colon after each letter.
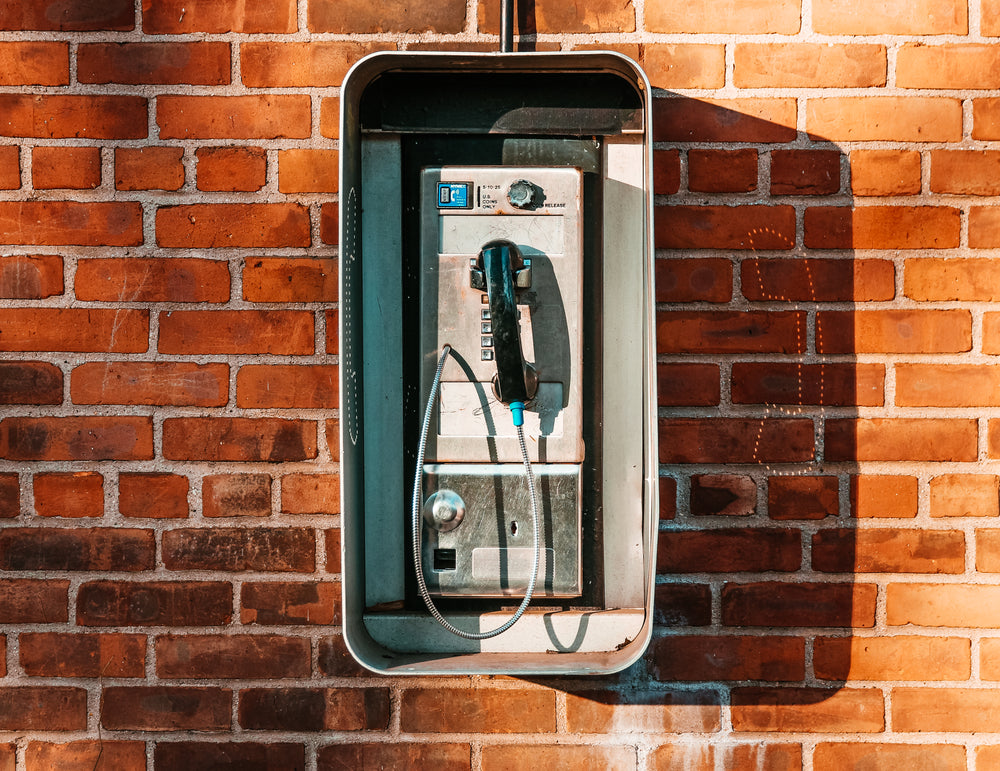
x: 238, y: 439
x: 242, y: 657
x: 729, y: 495
x: 682, y: 605
x: 969, y: 710
x: 687, y: 385
x: 697, y: 280
x: 988, y: 551
x: 61, y: 116
x: 288, y: 603
x: 826, y: 384
x: 86, y: 755
x: 279, y: 386
x: 834, y: 757
x: 817, y: 280
x: 729, y: 550
x: 983, y: 221
x: 805, y: 172
x: 332, y: 432
x: 210, y: 755
x: 149, y: 168
x: 969, y: 66
x: 34, y: 63
x: 894, y: 331
x: 733, y: 16
x: 332, y: 319
x: 30, y: 382
x: 161, y: 383
x: 937, y: 605
x: 730, y: 332
x: 942, y: 385
x: 892, y: 658
x: 440, y: 756
x: 329, y: 223
x: 272, y: 64
x: 786, y: 604
x: 724, y: 227
x: 77, y: 438
x: 10, y: 167
x: 307, y: 171
x: 901, y: 439
x: 885, y: 118
x: 808, y: 65
x: 178, y: 17
x: 451, y: 710
x: 240, y: 549
x: 89, y: 549
x: 894, y: 17
x: 214, y: 225
x: 735, y: 440
x: 71, y: 223
x: 10, y: 495
x: 166, y: 708
x: 680, y: 119
x: 231, y: 169
x: 666, y: 171
x: 722, y: 171
x: 358, y: 16
x: 965, y: 495
x: 315, y: 709
x: 336, y: 661
x: 812, y: 710
x: 728, y: 657
x: 55, y: 654
x: 803, y: 497
x: 80, y: 16
x: 30, y: 601
x: 236, y: 495
x: 152, y: 279
x: 77, y: 168
x: 155, y: 496
x: 684, y: 65
x: 882, y: 227
x: 290, y: 279
x: 310, y: 494
x: 333, y: 548
x: 257, y: 116
x: 563, y: 757
x: 65, y: 494
x: 31, y: 277
x: 885, y: 172
x: 986, y: 118
x: 221, y: 332
x: 43, y: 708
x: 886, y: 550
x: 154, y: 603
x: 203, y: 63
x: 74, y: 329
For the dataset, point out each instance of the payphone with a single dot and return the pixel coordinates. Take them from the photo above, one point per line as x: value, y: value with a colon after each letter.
x: 498, y: 443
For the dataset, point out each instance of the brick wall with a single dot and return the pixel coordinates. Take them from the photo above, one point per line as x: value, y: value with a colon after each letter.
x: 826, y: 175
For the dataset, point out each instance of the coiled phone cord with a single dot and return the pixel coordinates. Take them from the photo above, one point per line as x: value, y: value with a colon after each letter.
x: 417, y: 529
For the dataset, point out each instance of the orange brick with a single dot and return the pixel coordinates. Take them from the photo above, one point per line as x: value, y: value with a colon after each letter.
x: 989, y: 650
x: 744, y: 17
x: 214, y: 225
x: 448, y: 710
x: 969, y: 710
x: 259, y: 116
x: 558, y: 757
x: 888, y: 550
x: 680, y: 119
x: 680, y: 757
x: 885, y: 172
x: 361, y: 16
x: 936, y: 279
x: 812, y: 710
x: 835, y: 757
x: 894, y: 331
x: 149, y: 168
x: 310, y: 494
x: 968, y: 66
x: 10, y: 167
x: 887, y: 118
x: 281, y: 279
x: 71, y: 223
x: 202, y: 63
x: 591, y: 711
x: 809, y: 65
x: 988, y: 551
x: 281, y: 65
x: 446, y: 756
x: 986, y: 118
x: 59, y: 494
x: 965, y: 495
x: 900, y: 439
x: 76, y: 756
x: 275, y: 331
x: 152, y: 279
x: 892, y: 658
x: 177, y: 17
x: 236, y: 495
x: 983, y: 227
x: 818, y: 280
x: 965, y: 172
x: 77, y: 168
x: 34, y: 63
x: 77, y: 438
x: 947, y: 385
x: 988, y: 757
x: 31, y: 277
x: 685, y: 65
x: 278, y: 386
x: 74, y: 329
x: 991, y: 333
x: 990, y: 23
x: 329, y: 117
x: 161, y: 496
x: 179, y: 383
x: 57, y: 116
x: 554, y: 16
x: 882, y: 227
x: 894, y: 17
x: 231, y: 169
x: 274, y: 603
x: 329, y: 222
x: 307, y: 171
x: 273, y: 440
x: 884, y: 496
x: 951, y: 605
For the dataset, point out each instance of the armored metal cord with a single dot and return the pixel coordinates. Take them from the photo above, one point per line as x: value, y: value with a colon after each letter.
x: 417, y: 528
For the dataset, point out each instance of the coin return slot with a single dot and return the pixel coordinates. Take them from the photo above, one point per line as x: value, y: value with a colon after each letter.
x: 444, y: 559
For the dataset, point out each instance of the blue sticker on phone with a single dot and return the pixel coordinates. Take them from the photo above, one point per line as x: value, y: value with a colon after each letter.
x: 453, y: 195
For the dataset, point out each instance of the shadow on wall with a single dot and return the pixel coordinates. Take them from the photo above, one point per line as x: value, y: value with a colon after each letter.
x: 758, y: 391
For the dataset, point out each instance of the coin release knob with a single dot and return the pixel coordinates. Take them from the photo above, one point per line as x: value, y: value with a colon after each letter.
x: 521, y: 194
